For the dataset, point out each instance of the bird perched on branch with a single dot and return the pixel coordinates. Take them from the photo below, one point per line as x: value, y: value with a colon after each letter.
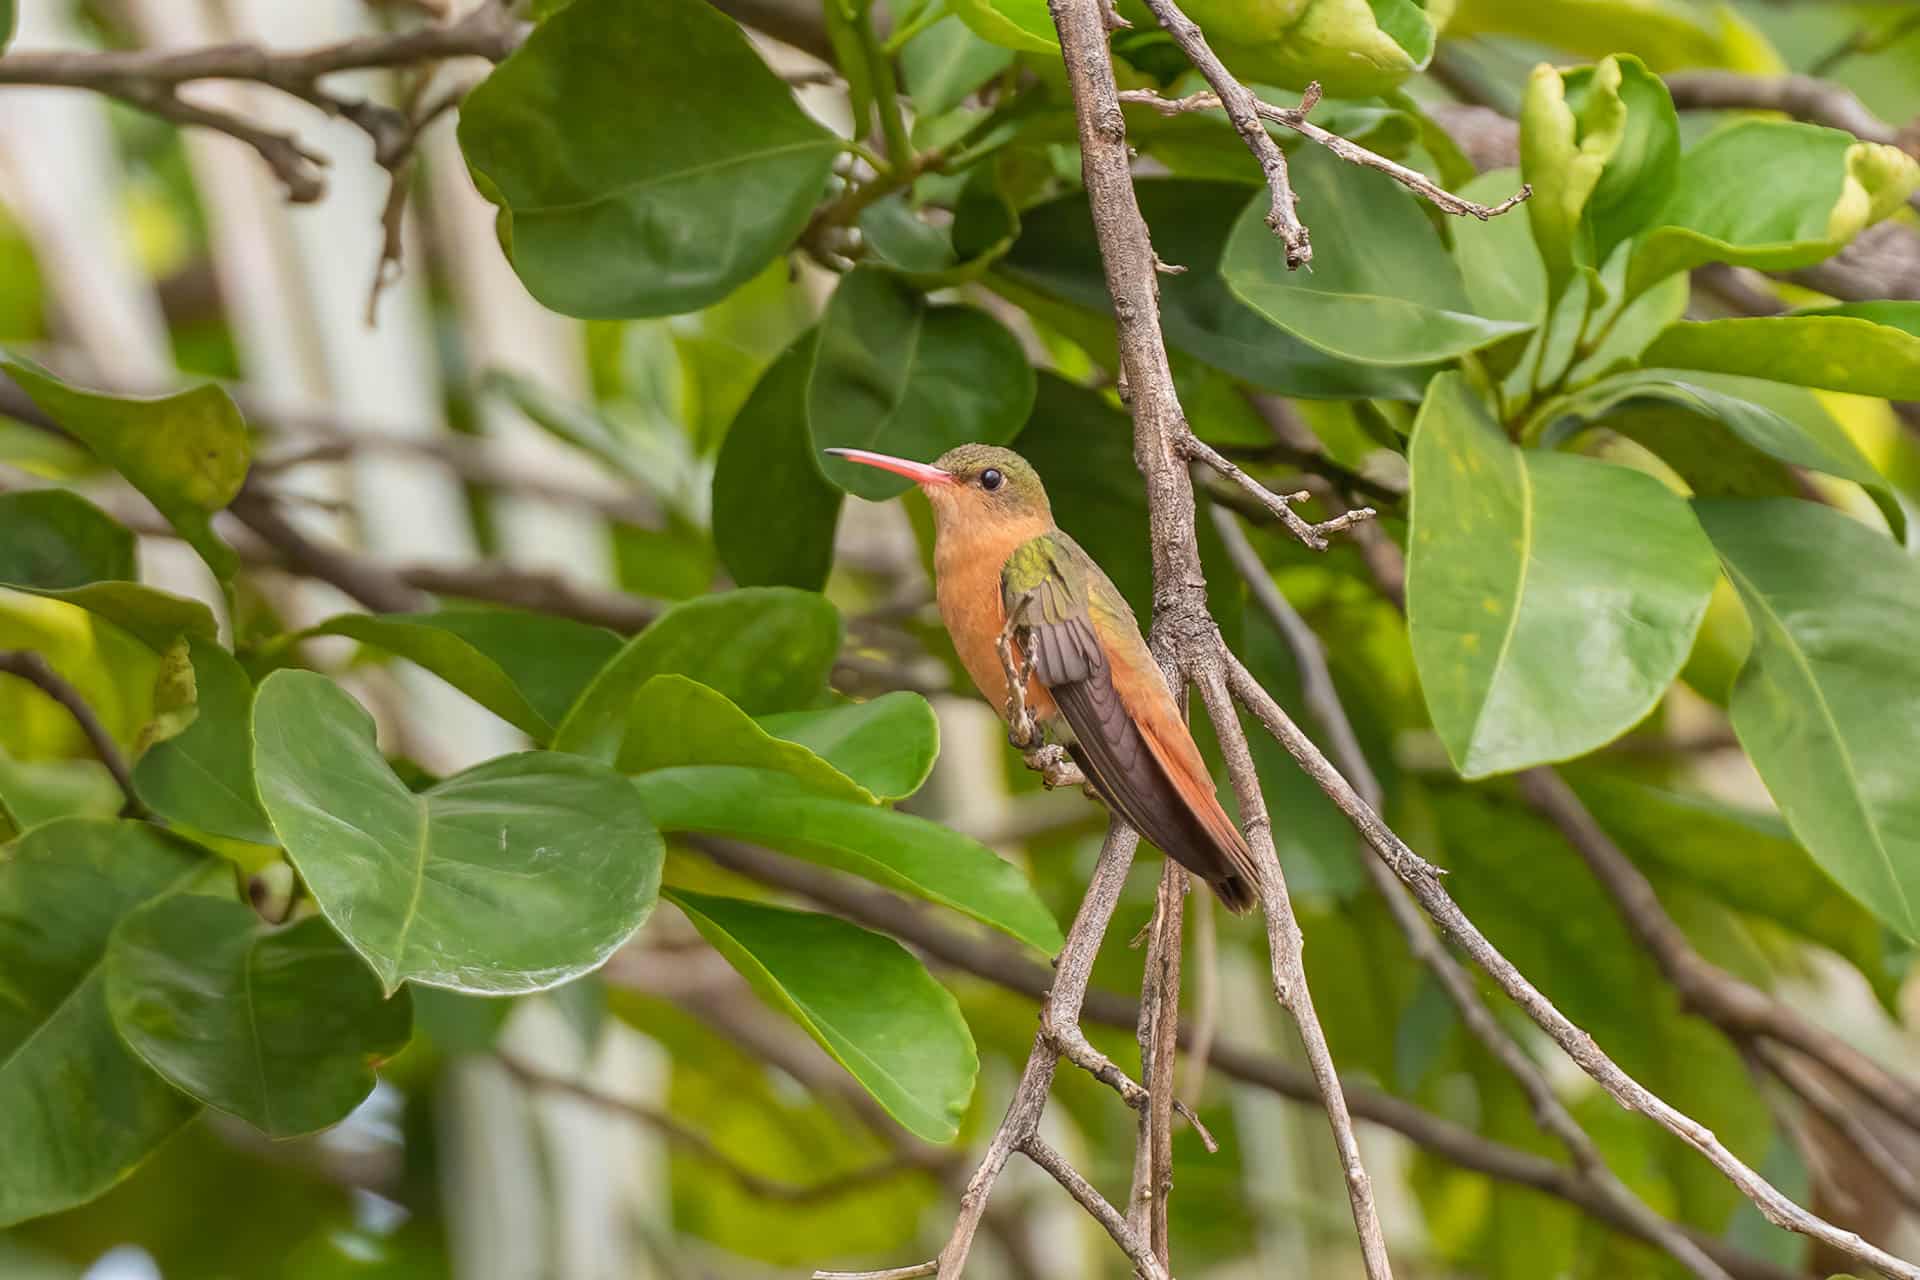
x: 1093, y: 682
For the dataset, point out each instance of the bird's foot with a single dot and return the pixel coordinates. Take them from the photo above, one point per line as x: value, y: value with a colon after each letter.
x: 1055, y: 767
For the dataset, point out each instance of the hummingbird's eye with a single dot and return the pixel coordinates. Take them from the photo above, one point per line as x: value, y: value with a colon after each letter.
x: 990, y: 479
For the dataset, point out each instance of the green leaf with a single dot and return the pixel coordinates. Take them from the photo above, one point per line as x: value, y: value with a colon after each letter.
x: 513, y: 876
x: 154, y: 618
x: 1497, y: 261
x: 762, y: 648
x: 1724, y: 435
x: 1828, y: 704
x: 281, y: 1027
x: 1601, y: 146
x: 689, y: 724
x: 1383, y: 291
x: 898, y: 850
x: 6, y: 22
x: 203, y: 777
x: 1058, y: 255
x: 187, y: 453
x: 1355, y: 48
x: 78, y: 1111
x: 1667, y: 35
x: 53, y: 538
x: 1021, y: 25
x: 774, y: 511
x: 896, y: 1030
x: 1869, y: 350
x: 1516, y: 569
x: 946, y: 62
x: 526, y: 668
x: 1822, y: 189
x: 1747, y: 860
x: 37, y: 791
x: 886, y: 744
x: 892, y: 373
x: 615, y: 204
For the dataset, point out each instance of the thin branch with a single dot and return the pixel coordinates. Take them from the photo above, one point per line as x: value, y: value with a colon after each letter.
x: 1242, y: 108
x: 1775, y: 1206
x: 1849, y: 1123
x: 1006, y: 966
x: 1158, y: 1033
x: 1145, y: 1264
x: 698, y: 1145
x: 1278, y: 504
x: 1802, y: 97
x: 1352, y: 152
x: 35, y: 670
x: 1323, y: 699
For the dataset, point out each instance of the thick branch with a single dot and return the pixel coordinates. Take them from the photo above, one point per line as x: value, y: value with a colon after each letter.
x: 35, y: 670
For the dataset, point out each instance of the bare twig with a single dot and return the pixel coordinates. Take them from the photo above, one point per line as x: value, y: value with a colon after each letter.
x: 1003, y: 964
x: 1278, y: 504
x: 1242, y: 108
x: 1206, y: 994
x: 1323, y: 699
x: 1352, y: 152
x: 35, y: 670
x: 1775, y: 1206
x: 1158, y: 1032
x: 1848, y: 1122
x: 1802, y: 97
x: 1145, y: 1263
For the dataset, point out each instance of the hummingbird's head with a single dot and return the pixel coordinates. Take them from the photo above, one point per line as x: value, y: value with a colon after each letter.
x: 971, y: 485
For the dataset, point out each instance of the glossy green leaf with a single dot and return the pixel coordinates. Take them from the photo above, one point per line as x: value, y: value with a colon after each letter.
x: 1058, y: 255
x: 1823, y: 187
x: 1747, y: 860
x: 1870, y: 350
x: 1723, y: 434
x: 188, y: 453
x: 1828, y: 704
x: 762, y: 648
x: 1669, y: 36
x: 894, y: 374
x: 281, y: 1027
x: 1517, y: 574
x: 615, y: 206
x: 203, y: 777
x: 513, y: 876
x: 155, y: 618
x: 53, y: 538
x: 886, y: 744
x: 1022, y: 25
x: 1384, y: 291
x: 898, y: 850
x: 78, y: 1111
x: 1601, y: 146
x: 526, y: 668
x: 896, y: 1030
x: 37, y: 791
x: 6, y: 22
x: 774, y: 511
x: 686, y: 723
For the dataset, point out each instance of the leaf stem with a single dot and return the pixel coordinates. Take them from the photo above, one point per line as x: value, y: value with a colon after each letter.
x: 886, y: 96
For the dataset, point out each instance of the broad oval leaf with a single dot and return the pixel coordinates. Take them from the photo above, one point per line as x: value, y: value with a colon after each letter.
x: 1823, y: 187
x: 895, y: 1030
x: 763, y: 648
x: 686, y: 723
x: 188, y: 453
x: 1501, y: 268
x: 886, y: 744
x: 895, y: 374
x: 614, y: 209
x: 78, y: 1111
x: 1022, y: 25
x: 1058, y: 255
x: 202, y: 777
x: 281, y: 1027
x: 155, y: 618
x: 774, y: 511
x: 514, y: 876
x: 1869, y: 349
x: 526, y: 668
x: 1384, y: 291
x: 946, y: 62
x: 1356, y: 48
x: 898, y: 850
x: 1539, y: 631
x: 53, y: 538
x: 1828, y: 704
x: 1725, y: 435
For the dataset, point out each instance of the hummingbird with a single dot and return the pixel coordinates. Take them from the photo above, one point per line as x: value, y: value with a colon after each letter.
x: 1095, y: 686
